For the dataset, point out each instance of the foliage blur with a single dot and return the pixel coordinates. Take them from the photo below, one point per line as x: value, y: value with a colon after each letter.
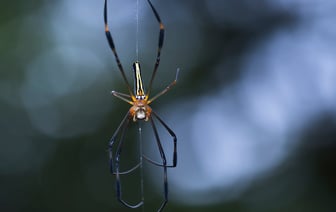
x: 254, y: 109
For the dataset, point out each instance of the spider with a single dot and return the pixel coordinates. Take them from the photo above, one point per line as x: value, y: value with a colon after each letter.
x: 140, y: 111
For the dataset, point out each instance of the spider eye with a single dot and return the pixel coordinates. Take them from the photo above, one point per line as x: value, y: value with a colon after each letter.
x: 140, y: 97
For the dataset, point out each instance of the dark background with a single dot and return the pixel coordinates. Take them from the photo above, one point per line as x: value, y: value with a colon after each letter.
x: 254, y: 108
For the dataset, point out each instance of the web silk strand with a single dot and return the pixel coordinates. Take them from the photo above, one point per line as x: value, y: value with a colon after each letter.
x: 141, y: 167
x: 137, y: 30
x: 139, y: 124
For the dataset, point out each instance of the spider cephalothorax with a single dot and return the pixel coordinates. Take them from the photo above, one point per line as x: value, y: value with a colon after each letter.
x: 140, y: 110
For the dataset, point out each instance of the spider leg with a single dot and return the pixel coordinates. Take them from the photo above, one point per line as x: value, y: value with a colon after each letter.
x: 112, y: 46
x: 172, y: 134
x: 166, y: 89
x: 115, y: 170
x: 164, y: 165
x: 160, y: 44
x: 122, y: 96
x: 123, y: 125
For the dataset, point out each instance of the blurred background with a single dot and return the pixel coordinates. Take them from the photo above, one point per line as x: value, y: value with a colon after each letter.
x: 254, y: 109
